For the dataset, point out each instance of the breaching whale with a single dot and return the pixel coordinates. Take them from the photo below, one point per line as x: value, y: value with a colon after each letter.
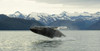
x: 47, y: 31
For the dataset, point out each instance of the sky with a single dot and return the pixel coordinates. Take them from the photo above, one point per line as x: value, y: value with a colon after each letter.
x: 49, y: 6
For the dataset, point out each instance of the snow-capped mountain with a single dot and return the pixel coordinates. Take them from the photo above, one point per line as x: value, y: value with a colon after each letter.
x: 42, y: 17
x: 49, y: 18
x: 33, y: 15
x: 17, y: 14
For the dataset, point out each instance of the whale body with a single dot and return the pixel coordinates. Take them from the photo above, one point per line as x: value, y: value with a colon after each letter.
x: 50, y: 32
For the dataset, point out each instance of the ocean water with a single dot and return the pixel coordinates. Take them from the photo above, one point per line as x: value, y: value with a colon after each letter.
x: 29, y: 41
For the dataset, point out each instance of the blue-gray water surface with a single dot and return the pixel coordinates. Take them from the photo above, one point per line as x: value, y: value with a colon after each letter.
x: 29, y: 41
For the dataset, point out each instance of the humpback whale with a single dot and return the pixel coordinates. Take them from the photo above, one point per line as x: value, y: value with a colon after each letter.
x: 47, y: 31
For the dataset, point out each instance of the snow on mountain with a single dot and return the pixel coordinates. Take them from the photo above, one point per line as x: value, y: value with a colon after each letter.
x: 17, y: 14
x: 42, y: 17
x: 34, y: 15
x: 49, y: 18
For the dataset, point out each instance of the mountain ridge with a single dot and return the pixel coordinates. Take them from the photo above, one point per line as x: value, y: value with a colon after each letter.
x: 48, y: 18
x: 7, y: 23
x: 75, y: 19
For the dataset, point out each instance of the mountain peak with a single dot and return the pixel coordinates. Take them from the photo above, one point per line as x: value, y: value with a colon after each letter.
x: 17, y: 13
x: 64, y: 12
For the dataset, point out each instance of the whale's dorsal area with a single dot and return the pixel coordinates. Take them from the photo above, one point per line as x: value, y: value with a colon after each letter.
x: 47, y: 31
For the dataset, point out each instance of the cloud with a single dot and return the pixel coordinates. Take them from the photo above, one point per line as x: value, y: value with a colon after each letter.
x: 72, y: 2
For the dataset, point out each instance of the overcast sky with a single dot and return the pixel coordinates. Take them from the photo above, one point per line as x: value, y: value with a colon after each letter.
x: 49, y: 6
